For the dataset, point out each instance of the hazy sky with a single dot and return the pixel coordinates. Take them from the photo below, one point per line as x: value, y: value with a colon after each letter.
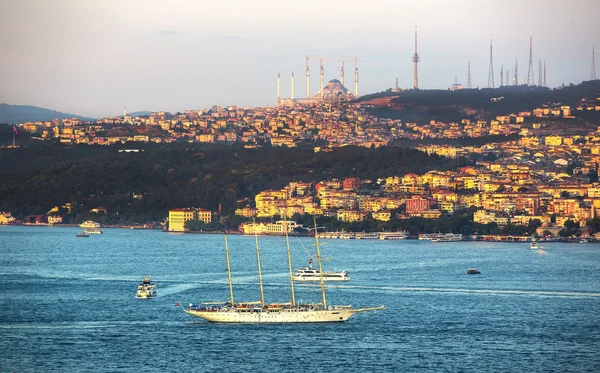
x: 92, y: 57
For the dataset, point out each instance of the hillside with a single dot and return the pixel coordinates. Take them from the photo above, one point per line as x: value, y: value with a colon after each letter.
x: 421, y: 106
x: 16, y: 114
x: 34, y: 179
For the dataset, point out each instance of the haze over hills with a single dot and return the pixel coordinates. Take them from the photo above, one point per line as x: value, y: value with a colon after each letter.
x: 15, y: 114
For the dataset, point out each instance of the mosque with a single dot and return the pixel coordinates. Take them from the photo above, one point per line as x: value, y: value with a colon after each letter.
x: 334, y: 91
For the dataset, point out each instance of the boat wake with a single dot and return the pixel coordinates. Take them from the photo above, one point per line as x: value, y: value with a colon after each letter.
x: 539, y: 293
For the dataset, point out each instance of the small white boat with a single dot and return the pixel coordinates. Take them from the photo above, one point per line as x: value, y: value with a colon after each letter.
x: 146, y: 289
x: 533, y: 245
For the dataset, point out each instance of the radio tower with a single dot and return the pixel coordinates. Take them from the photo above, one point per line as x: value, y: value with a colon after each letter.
x: 491, y: 73
x: 593, y: 73
x: 545, y: 73
x: 506, y: 78
x: 516, y: 76
x: 416, y: 61
x: 530, y: 81
x: 469, y: 85
x: 356, y: 76
x: 501, y: 75
x: 540, y: 74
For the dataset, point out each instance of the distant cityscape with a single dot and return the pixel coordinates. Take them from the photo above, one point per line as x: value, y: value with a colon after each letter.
x: 544, y: 177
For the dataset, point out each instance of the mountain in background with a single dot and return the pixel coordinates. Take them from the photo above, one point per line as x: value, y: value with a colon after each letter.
x: 16, y: 114
x: 140, y: 113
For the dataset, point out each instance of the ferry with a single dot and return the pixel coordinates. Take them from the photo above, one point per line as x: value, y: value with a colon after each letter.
x: 366, y: 236
x: 393, y: 235
x: 146, y: 289
x: 448, y: 237
x: 91, y: 227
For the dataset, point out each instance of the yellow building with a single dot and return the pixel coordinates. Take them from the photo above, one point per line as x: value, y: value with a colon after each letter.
x: 178, y: 217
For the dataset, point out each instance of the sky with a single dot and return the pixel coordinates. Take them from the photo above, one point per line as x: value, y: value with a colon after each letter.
x: 93, y: 57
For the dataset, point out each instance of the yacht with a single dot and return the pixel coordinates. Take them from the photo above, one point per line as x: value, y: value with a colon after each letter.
x: 393, y: 235
x: 311, y: 274
x: 280, y: 312
x: 91, y: 227
x: 533, y: 245
x: 146, y: 289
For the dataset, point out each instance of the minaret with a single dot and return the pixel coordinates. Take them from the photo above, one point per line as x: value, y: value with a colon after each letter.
x: 124, y: 112
x: 416, y: 61
x: 397, y: 83
x: 469, y: 85
x: 322, y: 78
x: 491, y: 72
x: 530, y: 81
x: 292, y: 85
x: 342, y: 73
x: 307, y: 78
x: 593, y: 72
x: 278, y: 89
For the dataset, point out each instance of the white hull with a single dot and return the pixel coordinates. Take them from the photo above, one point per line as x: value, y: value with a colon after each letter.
x: 317, y: 278
x: 283, y: 316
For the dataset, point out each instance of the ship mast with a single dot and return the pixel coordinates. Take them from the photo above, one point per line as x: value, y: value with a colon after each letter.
x: 320, y: 264
x: 228, y: 270
x: 260, y: 280
x: 287, y: 242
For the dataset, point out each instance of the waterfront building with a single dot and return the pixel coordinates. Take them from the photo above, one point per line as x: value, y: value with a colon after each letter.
x: 178, y: 217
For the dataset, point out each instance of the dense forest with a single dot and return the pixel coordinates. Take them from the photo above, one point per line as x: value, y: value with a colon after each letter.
x: 36, y: 178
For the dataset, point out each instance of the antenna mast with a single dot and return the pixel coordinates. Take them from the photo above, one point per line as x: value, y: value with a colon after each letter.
x: 491, y: 72
x: 416, y: 61
x: 545, y: 73
x: 593, y: 73
x: 516, y: 76
x: 530, y: 81
x: 540, y: 74
x: 469, y: 85
x: 501, y: 75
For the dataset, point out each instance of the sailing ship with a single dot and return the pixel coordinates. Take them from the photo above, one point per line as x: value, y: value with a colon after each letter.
x: 261, y: 312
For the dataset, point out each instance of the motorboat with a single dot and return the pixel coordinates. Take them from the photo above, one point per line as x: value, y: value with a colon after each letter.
x: 533, y: 245
x: 146, y: 289
x: 82, y: 234
x: 472, y: 271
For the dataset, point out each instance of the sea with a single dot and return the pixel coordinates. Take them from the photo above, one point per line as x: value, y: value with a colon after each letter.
x: 67, y: 304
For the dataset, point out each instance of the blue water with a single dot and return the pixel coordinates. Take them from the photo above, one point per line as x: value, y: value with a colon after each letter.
x: 68, y: 304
